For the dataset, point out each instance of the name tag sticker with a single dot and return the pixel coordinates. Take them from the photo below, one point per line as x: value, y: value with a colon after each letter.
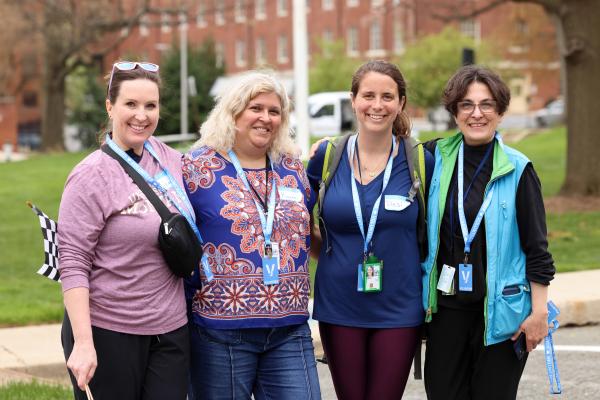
x: 446, y: 279
x: 396, y: 203
x: 290, y: 194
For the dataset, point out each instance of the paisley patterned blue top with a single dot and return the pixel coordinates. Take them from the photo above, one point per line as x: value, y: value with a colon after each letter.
x: 229, y: 222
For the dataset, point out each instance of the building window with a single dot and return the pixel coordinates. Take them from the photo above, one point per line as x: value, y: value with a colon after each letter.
x: 201, y: 16
x: 327, y: 5
x: 240, y: 11
x: 219, y: 12
x: 144, y: 31
x: 471, y: 28
x: 165, y: 22
x: 282, y: 8
x: 261, y: 51
x: 30, y: 99
x: 398, y: 38
x: 352, y: 41
x: 375, y: 36
x: 260, y: 9
x: 352, y: 3
x: 327, y: 36
x: 240, y: 53
x: 125, y: 31
x: 219, y: 54
x: 282, y: 49
x: 377, y: 3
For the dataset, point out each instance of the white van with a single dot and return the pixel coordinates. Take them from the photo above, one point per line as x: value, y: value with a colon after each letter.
x: 330, y: 114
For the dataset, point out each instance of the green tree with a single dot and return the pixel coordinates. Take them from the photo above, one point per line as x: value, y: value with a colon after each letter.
x: 428, y: 63
x: 85, y: 103
x: 202, y: 65
x: 332, y: 68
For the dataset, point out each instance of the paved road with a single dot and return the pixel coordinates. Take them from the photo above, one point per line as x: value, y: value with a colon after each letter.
x: 579, y: 370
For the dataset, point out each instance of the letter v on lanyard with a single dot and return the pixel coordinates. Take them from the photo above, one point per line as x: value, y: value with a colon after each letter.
x: 270, y: 271
x: 182, y: 197
x: 466, y: 269
x: 356, y: 199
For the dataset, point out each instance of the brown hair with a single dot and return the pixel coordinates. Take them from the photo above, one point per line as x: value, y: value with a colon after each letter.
x: 118, y: 77
x: 401, y: 125
x: 458, y: 85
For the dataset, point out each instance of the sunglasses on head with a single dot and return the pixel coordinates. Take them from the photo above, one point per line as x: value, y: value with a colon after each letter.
x: 129, y: 66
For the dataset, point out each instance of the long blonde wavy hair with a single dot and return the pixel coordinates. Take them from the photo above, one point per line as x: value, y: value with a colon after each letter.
x: 218, y: 131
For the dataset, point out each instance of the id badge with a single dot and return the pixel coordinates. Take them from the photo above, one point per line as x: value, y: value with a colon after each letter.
x: 163, y: 180
x: 206, y: 268
x: 270, y: 263
x: 465, y: 277
x: 289, y: 194
x: 445, y: 283
x: 372, y: 274
x: 396, y: 203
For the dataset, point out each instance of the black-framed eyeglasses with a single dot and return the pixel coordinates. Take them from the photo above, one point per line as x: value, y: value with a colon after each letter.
x: 468, y: 107
x: 129, y: 66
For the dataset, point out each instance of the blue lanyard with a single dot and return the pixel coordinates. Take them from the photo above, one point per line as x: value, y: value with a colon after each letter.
x: 468, y: 236
x: 550, y: 355
x: 178, y: 190
x: 266, y: 223
x: 356, y: 199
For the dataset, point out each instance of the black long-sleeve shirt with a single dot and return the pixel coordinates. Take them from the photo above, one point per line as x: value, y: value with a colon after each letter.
x: 531, y: 221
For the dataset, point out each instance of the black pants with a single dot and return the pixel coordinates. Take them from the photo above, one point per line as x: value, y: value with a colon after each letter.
x: 459, y: 367
x: 132, y: 367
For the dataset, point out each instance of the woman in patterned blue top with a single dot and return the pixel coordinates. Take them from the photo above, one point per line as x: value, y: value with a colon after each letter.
x: 368, y: 281
x: 249, y: 302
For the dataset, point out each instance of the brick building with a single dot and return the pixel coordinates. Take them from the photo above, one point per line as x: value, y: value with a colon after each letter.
x: 255, y: 33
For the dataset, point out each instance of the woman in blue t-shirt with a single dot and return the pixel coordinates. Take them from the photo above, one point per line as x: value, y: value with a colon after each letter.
x: 369, y: 315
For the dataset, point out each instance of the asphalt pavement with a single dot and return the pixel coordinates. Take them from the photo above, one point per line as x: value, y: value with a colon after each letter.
x: 35, y: 351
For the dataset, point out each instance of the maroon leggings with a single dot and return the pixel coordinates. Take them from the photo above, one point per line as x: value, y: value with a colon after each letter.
x: 369, y: 363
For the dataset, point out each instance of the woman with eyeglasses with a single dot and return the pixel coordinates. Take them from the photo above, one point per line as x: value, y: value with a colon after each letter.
x: 124, y: 333
x: 249, y: 301
x: 487, y: 273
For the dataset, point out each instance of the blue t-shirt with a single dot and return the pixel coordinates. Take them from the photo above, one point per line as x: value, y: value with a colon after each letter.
x: 337, y: 300
x: 227, y: 217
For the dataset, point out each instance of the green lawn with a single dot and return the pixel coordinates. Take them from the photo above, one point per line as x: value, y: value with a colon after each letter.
x: 34, y: 390
x: 27, y: 298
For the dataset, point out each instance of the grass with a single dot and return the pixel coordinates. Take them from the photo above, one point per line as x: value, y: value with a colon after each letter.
x: 34, y: 390
x: 26, y: 298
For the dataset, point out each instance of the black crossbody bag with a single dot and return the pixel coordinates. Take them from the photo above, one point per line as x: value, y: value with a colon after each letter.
x: 179, y: 244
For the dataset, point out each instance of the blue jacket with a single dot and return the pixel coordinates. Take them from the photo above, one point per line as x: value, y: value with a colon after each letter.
x: 505, y: 258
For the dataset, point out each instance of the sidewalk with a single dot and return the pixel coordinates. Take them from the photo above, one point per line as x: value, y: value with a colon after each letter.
x: 35, y: 351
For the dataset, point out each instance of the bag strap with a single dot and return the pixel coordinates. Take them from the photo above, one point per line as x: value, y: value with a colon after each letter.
x: 159, y: 206
x: 333, y: 155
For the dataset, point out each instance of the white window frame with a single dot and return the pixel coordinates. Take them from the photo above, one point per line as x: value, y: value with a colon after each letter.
x: 219, y: 54
x: 261, y: 51
x: 260, y: 10
x: 219, y: 12
x: 375, y: 42
x: 240, y: 11
x: 144, y: 21
x: 282, y: 8
x: 240, y: 53
x: 398, y: 38
x: 352, y: 48
x: 327, y: 5
x: 282, y: 49
x: 201, y: 16
x: 165, y: 22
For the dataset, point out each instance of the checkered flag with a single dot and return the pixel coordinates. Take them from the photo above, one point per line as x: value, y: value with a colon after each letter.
x: 49, y: 229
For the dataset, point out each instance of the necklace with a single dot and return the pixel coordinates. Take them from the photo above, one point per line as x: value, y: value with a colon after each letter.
x: 372, y: 172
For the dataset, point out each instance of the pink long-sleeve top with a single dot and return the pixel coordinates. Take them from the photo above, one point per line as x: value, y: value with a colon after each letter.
x: 108, y: 243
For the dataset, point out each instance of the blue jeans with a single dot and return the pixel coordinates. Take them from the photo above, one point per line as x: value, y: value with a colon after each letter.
x: 269, y: 363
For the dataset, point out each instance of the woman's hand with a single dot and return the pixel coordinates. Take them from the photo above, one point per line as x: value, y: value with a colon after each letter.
x: 315, y: 146
x: 83, y: 362
x: 535, y: 328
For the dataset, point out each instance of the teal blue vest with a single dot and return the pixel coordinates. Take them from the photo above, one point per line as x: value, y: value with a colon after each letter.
x: 505, y: 258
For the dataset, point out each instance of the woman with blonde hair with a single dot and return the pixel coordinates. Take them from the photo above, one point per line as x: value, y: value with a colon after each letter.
x: 248, y: 303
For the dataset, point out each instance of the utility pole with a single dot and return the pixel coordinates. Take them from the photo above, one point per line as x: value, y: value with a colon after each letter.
x: 301, y: 75
x: 183, y: 61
